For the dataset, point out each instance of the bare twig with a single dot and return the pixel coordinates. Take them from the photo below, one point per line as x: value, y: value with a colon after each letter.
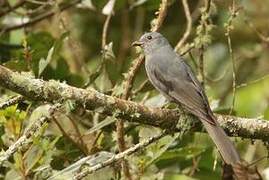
x: 201, y: 70
x: 131, y: 75
x: 125, y: 38
x: 65, y: 134
x: 217, y: 79
x: 11, y: 101
x: 19, y: 4
x: 142, y: 85
x: 252, y: 82
x: 38, y: 2
x: 187, y: 50
x: 229, y: 27
x: 81, y: 141
x: 39, y: 18
x: 25, y: 140
x: 122, y: 147
x: 105, y: 28
x: 77, y: 64
x: 188, y: 28
x: 93, y: 144
x: 259, y: 34
x: 37, y: 10
x: 195, y: 165
x: 88, y: 170
x: 204, y: 23
x: 157, y: 23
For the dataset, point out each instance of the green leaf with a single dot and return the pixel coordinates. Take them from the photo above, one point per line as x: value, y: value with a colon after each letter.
x: 18, y: 160
x: 108, y: 51
x: 43, y: 63
x: 108, y: 8
x: 181, y: 153
x: 137, y: 3
x: 39, y: 43
x: 87, y: 4
x: 178, y: 177
x: 104, y: 123
x: 163, y: 149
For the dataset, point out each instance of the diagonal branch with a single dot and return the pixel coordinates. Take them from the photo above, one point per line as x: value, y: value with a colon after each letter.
x: 188, y: 28
x: 11, y: 101
x: 88, y: 170
x: 51, y: 91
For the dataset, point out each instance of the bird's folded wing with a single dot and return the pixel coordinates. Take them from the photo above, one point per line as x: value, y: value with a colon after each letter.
x: 183, y: 88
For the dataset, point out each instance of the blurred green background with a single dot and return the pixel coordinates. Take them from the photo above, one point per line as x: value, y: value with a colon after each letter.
x: 68, y: 47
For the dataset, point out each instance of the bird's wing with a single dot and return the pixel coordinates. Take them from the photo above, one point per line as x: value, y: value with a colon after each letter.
x: 183, y: 86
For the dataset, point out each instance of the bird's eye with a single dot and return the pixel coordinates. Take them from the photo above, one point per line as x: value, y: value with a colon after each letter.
x: 149, y: 37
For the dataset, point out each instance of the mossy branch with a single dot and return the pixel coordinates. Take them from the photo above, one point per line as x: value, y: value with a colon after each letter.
x: 90, y: 99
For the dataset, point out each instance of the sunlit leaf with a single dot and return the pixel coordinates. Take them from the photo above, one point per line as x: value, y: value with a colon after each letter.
x: 43, y: 63
x: 86, y: 4
x: 138, y: 3
x: 108, y: 8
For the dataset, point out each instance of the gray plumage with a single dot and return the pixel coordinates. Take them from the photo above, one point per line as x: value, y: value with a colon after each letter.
x: 170, y: 75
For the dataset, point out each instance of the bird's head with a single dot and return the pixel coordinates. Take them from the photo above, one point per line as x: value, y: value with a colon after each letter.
x: 151, y: 41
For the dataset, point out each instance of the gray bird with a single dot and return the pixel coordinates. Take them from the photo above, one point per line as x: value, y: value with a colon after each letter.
x: 170, y: 75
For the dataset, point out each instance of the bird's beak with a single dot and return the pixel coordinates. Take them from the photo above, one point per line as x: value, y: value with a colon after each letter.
x: 137, y: 43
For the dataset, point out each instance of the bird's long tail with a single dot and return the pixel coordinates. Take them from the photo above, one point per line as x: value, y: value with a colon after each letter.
x: 240, y: 169
x: 223, y: 143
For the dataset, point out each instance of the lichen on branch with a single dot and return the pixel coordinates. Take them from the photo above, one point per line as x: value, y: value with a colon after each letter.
x: 90, y: 99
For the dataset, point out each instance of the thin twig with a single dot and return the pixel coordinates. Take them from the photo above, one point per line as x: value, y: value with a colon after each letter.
x: 233, y: 72
x: 122, y: 147
x: 97, y: 135
x: 39, y: 18
x: 78, y: 134
x: 193, y: 61
x: 142, y: 85
x: 259, y: 34
x: 157, y: 23
x: 217, y: 79
x: 125, y: 38
x: 187, y: 50
x: 128, y: 83
x: 65, y: 134
x: 228, y: 34
x: 252, y: 82
x: 11, y: 101
x: 77, y: 64
x: 39, y: 2
x: 88, y: 170
x: 37, y: 10
x: 19, y: 4
x: 188, y: 28
x: 201, y: 70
